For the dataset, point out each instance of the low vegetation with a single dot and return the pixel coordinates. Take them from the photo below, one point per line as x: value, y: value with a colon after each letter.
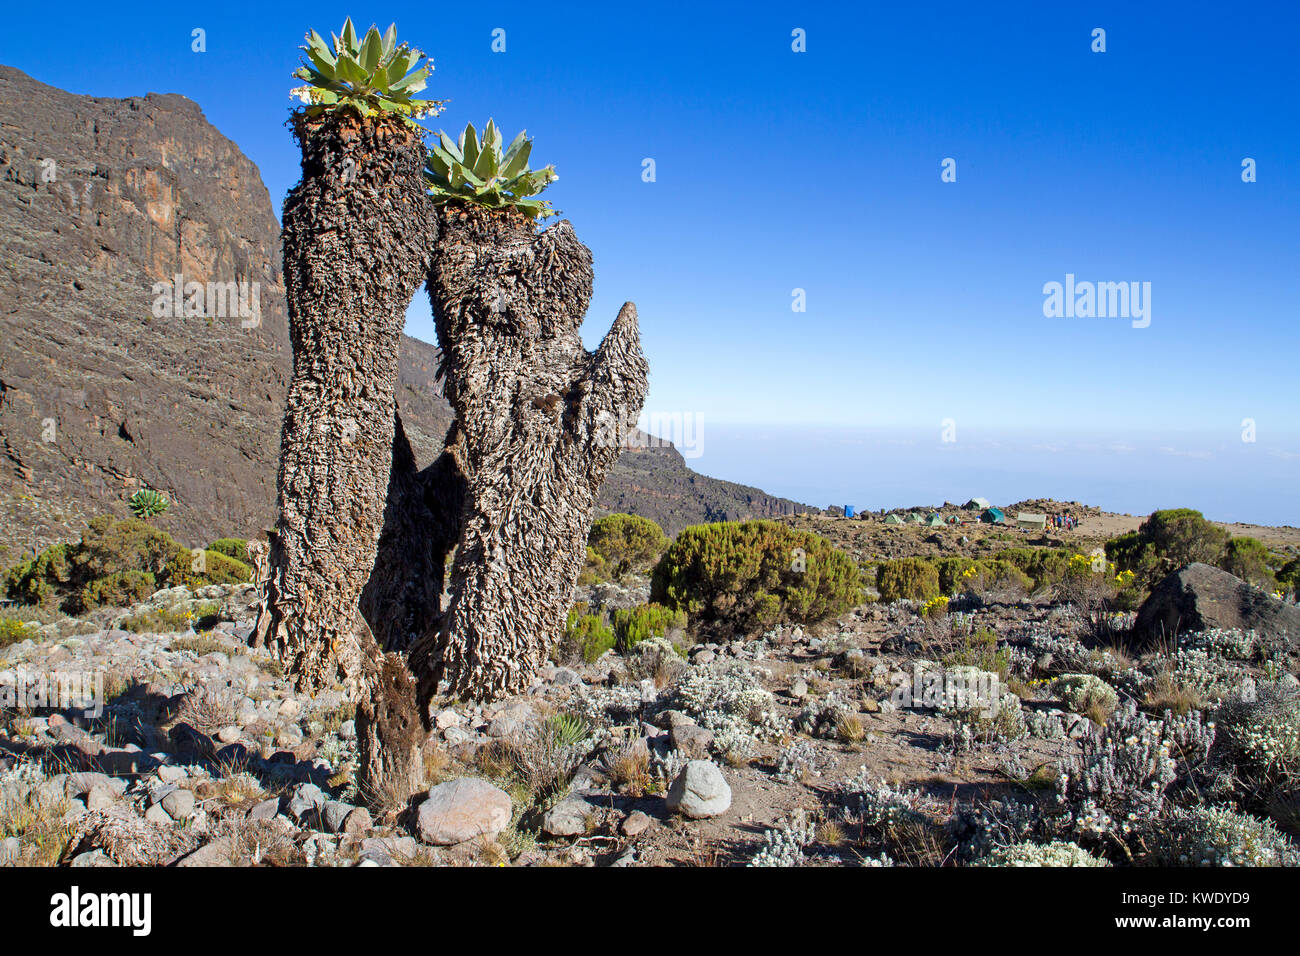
x: 754, y: 574
x: 119, y: 562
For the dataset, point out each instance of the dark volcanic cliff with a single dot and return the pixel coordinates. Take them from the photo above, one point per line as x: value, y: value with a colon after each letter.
x: 100, y: 199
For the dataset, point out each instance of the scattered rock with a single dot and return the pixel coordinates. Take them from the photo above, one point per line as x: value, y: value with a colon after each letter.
x: 461, y: 810
x: 266, y: 810
x: 691, y: 740
x: 216, y: 853
x: 179, y: 804
x: 306, y: 801
x: 635, y: 824
x: 699, y: 791
x: 567, y: 818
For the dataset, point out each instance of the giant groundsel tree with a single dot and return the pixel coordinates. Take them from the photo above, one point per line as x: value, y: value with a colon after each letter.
x: 356, y: 238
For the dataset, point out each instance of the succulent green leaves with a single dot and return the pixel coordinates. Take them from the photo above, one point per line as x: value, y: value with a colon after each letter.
x: 146, y: 503
x: 369, y: 75
x: 476, y: 170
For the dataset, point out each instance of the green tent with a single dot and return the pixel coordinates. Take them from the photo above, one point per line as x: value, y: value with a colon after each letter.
x: 892, y: 518
x: 936, y: 521
x: 1031, y: 522
x: 993, y: 516
x: 977, y: 504
x: 915, y: 518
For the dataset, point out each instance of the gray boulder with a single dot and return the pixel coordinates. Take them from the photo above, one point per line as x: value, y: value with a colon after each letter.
x: 699, y: 791
x: 1199, y: 597
x: 567, y: 818
x: 461, y: 810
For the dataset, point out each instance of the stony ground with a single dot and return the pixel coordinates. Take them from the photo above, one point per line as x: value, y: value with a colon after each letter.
x: 203, y: 755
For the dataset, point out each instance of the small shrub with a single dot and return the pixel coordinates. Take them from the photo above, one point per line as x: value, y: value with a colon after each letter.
x: 980, y: 650
x: 1056, y: 853
x: 586, y: 635
x: 165, y: 620
x: 1218, y: 836
x: 656, y: 659
x: 98, y: 567
x: 119, y: 589
x: 1260, y: 737
x: 236, y: 548
x: 198, y: 569
x: 912, y: 579
x: 755, y: 574
x: 996, y: 576
x: 1122, y: 771
x: 640, y: 623
x: 1165, y: 541
x: 1086, y: 694
x: 621, y: 543
x: 14, y: 632
x: 1248, y: 559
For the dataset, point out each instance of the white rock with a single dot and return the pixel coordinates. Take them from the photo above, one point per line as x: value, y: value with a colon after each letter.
x: 699, y: 791
x: 461, y: 810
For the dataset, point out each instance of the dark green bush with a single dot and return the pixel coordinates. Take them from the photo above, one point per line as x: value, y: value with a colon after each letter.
x: 754, y: 574
x: 39, y: 580
x: 586, y: 635
x: 203, y: 615
x: 640, y: 623
x: 129, y: 544
x: 119, y: 589
x: 997, y: 575
x: 112, y: 563
x: 1248, y: 559
x: 1164, y: 542
x: 1043, y: 566
x: 950, y: 572
x: 215, y: 568
x: 236, y: 548
x: 1169, y: 540
x: 621, y: 543
x: 914, y: 579
x: 1289, y: 576
x: 1182, y: 536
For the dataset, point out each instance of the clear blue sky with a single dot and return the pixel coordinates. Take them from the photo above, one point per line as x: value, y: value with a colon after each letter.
x: 820, y: 170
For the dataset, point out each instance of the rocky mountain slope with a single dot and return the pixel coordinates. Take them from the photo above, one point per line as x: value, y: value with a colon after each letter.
x: 106, y: 386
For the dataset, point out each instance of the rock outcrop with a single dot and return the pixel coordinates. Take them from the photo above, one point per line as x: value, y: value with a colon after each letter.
x: 1199, y: 597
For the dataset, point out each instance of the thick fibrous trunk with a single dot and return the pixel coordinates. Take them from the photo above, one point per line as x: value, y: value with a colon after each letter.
x: 356, y: 240
x: 541, y: 421
x: 390, y: 734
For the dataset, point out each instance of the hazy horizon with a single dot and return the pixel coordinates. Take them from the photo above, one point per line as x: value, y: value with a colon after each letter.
x: 1134, y: 473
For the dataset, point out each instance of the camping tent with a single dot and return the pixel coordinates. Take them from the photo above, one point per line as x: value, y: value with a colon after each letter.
x: 892, y: 518
x: 915, y: 518
x: 936, y: 521
x: 1031, y: 522
x: 977, y: 504
x: 993, y: 516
